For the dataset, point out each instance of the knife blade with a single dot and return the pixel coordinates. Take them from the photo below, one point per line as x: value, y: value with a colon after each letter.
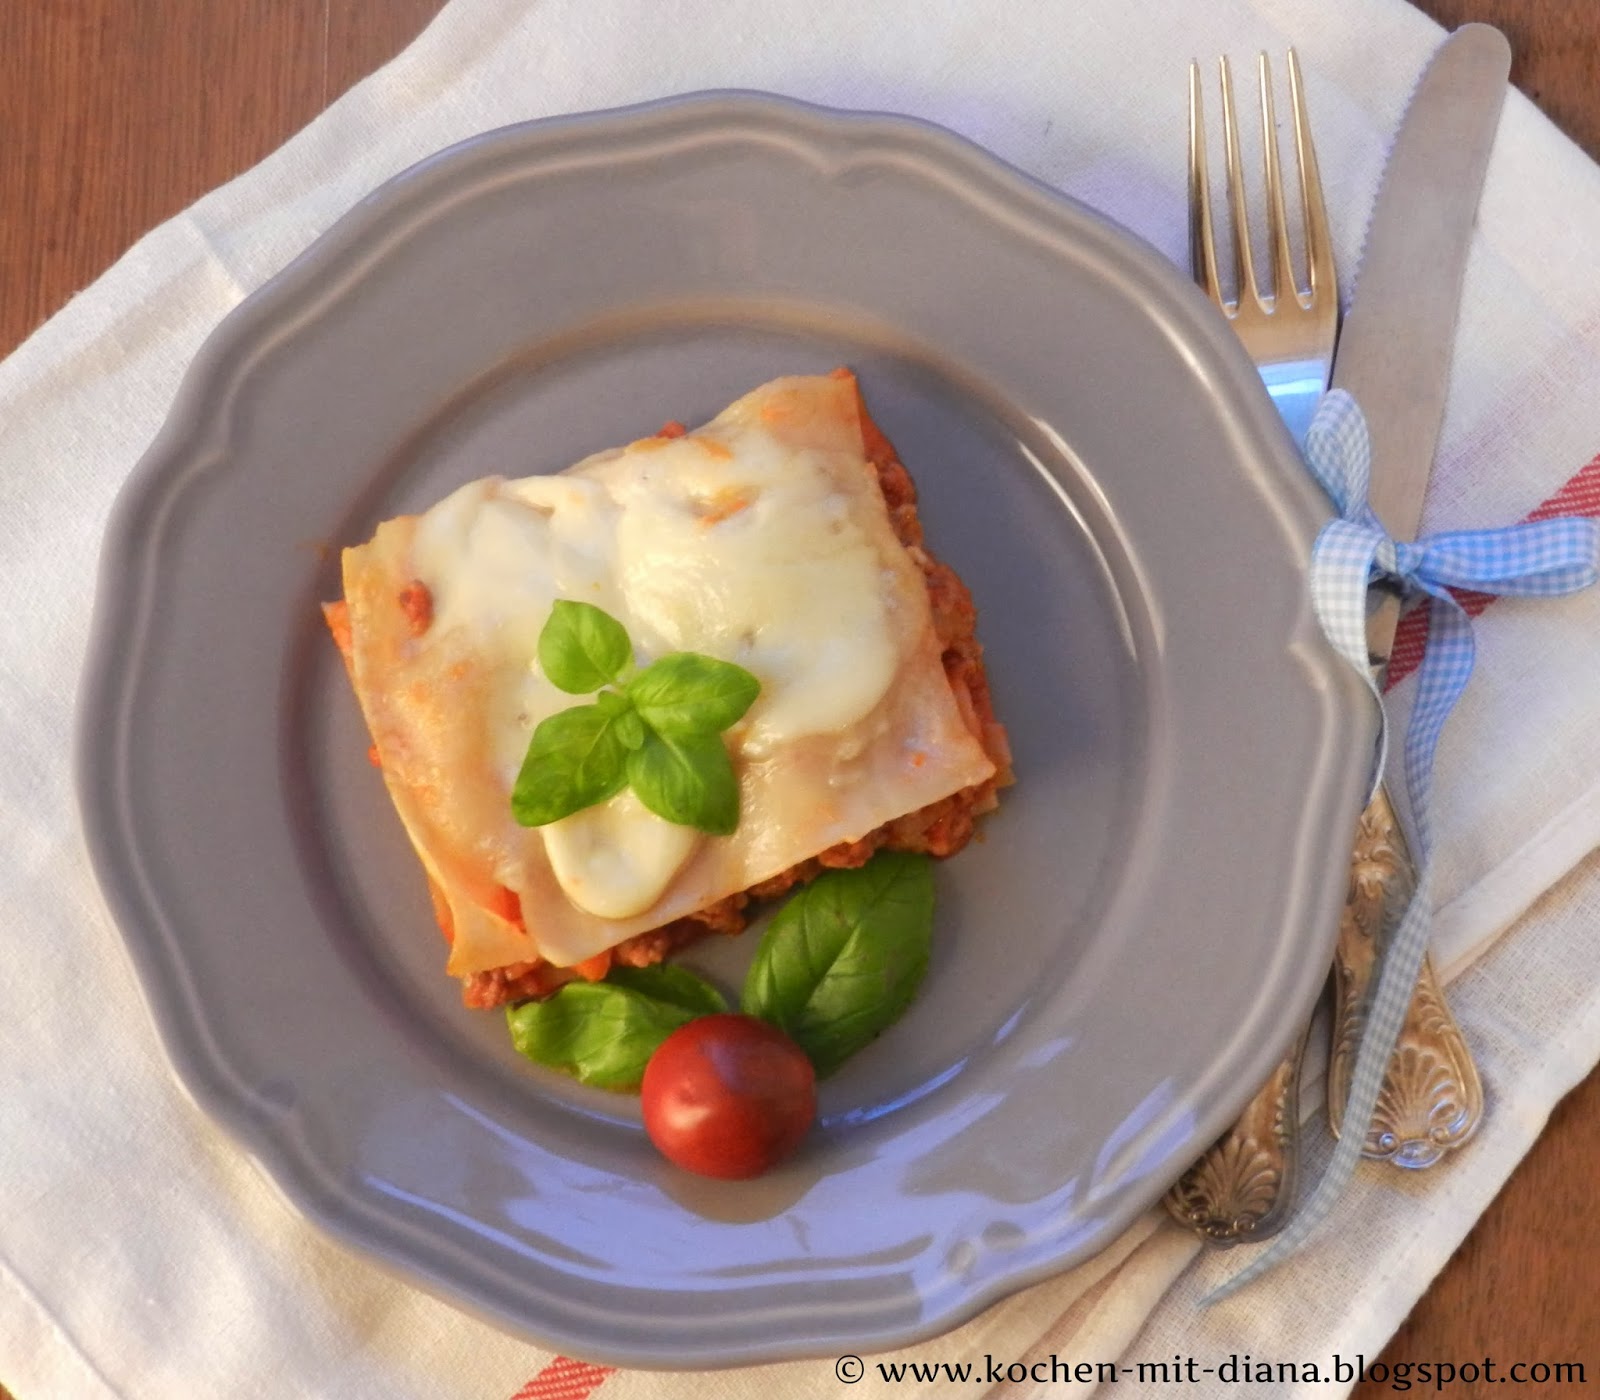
x: 1394, y: 357
x: 1394, y: 351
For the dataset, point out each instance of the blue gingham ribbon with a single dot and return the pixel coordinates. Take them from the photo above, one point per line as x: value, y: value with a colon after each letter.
x: 1540, y: 559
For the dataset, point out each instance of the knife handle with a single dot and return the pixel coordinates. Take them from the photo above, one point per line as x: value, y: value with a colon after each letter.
x: 1432, y: 1098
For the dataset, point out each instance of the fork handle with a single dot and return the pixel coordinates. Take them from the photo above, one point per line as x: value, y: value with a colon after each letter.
x: 1243, y: 1188
x: 1432, y: 1098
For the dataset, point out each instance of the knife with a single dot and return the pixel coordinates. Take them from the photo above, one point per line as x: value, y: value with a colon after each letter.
x: 1394, y: 357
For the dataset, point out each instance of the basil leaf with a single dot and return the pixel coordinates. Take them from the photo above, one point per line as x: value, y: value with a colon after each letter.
x: 670, y: 983
x: 604, y: 1033
x: 574, y: 760
x: 631, y: 729
x: 688, y: 780
x: 841, y: 961
x: 660, y: 732
x: 582, y: 648
x: 685, y: 694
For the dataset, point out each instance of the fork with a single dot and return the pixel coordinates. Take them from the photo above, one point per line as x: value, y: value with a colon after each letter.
x: 1243, y: 1188
x: 1290, y: 334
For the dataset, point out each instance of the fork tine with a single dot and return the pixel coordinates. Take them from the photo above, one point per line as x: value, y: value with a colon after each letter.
x: 1284, y: 286
x: 1243, y: 264
x: 1319, y: 246
x: 1202, y: 245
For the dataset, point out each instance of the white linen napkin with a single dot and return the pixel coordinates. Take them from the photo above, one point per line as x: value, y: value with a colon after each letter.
x: 141, y: 1253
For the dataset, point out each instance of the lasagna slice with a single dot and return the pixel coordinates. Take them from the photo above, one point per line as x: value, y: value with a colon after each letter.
x: 783, y: 536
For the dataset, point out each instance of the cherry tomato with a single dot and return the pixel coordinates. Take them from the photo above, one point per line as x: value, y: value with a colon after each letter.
x: 728, y: 1096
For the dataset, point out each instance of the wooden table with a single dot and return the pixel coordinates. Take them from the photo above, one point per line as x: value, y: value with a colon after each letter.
x: 117, y: 114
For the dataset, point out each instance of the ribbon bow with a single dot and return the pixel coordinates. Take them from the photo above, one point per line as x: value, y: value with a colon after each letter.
x: 1537, y: 559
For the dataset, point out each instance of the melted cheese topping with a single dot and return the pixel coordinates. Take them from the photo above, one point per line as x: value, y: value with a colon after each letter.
x: 737, y: 545
x: 615, y: 859
x: 761, y: 539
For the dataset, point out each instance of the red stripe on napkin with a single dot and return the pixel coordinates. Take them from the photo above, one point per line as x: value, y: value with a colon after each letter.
x: 1580, y: 496
x: 565, y: 1379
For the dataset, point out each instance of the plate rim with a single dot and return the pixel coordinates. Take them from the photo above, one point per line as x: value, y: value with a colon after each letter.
x: 176, y: 1007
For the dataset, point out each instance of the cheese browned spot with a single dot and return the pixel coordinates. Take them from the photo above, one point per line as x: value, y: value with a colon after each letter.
x: 417, y: 604
x: 782, y: 536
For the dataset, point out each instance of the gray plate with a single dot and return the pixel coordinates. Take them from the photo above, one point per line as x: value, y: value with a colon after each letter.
x: 1119, y: 963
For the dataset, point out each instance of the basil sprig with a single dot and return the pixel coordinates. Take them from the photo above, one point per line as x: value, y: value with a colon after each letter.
x: 836, y: 967
x: 658, y: 731
x: 841, y: 961
x: 604, y: 1033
